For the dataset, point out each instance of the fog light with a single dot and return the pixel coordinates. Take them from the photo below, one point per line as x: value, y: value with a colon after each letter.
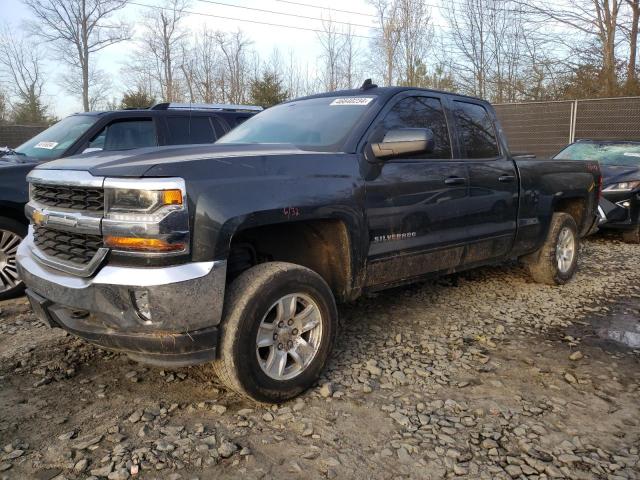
x: 141, y: 302
x: 626, y: 204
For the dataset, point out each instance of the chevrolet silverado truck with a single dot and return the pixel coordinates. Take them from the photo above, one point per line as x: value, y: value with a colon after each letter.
x: 236, y: 253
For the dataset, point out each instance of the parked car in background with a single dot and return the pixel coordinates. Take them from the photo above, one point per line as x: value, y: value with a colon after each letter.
x: 620, y: 166
x: 162, y: 124
x: 236, y: 253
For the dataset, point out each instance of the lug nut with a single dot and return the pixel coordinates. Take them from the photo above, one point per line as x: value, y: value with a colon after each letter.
x: 280, y: 346
x: 290, y: 344
x: 295, y: 331
x: 281, y: 324
x: 275, y: 336
x: 290, y: 322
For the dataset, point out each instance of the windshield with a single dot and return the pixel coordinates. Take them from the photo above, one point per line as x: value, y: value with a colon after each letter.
x: 321, y: 124
x: 53, y: 142
x: 606, y: 153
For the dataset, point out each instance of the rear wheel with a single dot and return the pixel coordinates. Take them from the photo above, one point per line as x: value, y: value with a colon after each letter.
x: 278, y: 330
x: 11, y: 234
x: 557, y: 260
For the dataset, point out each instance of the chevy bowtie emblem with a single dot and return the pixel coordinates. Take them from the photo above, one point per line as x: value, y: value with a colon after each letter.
x: 39, y: 218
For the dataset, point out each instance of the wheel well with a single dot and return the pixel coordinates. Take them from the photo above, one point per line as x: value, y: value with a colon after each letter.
x: 576, y: 207
x: 321, y: 245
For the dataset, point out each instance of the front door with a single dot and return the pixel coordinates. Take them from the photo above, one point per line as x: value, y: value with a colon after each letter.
x: 416, y: 206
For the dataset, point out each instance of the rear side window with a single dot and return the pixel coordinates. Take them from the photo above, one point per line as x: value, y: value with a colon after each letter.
x: 421, y: 112
x: 477, y: 132
x: 125, y: 135
x: 185, y: 130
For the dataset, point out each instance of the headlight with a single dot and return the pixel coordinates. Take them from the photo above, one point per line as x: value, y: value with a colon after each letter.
x: 623, y: 186
x: 146, y: 216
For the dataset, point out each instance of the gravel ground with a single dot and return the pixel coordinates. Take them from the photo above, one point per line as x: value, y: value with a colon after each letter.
x: 479, y: 375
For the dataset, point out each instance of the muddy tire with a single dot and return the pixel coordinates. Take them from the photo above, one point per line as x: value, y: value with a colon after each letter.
x: 631, y: 236
x: 556, y: 261
x: 11, y: 233
x: 278, y: 330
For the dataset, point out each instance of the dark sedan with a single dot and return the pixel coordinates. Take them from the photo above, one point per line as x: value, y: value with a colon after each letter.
x: 620, y: 167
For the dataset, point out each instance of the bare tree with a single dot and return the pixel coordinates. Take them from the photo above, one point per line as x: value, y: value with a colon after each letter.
x: 79, y: 29
x: 162, y: 45
x: 236, y: 60
x: 415, y: 37
x: 598, y: 20
x: 21, y: 61
x: 632, y: 74
x: 387, y: 41
x: 331, y: 46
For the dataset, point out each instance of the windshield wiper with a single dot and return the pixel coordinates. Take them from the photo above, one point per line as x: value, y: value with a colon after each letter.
x: 11, y: 151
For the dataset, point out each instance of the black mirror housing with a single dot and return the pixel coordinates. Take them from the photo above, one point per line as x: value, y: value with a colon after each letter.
x: 404, y: 141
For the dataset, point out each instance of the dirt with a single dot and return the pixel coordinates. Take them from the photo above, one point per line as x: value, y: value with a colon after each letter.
x: 479, y: 375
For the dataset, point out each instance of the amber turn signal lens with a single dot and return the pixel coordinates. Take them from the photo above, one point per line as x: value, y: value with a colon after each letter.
x: 142, y: 244
x: 171, y: 197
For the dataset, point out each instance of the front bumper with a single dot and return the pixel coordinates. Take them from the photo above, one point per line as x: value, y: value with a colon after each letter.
x: 184, y: 301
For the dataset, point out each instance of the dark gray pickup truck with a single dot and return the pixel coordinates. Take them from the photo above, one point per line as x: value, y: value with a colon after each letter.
x: 236, y: 253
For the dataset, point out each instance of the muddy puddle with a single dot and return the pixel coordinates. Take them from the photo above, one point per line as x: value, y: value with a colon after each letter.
x: 619, y: 328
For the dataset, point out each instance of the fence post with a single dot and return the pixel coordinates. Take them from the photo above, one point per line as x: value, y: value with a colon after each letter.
x: 572, y: 127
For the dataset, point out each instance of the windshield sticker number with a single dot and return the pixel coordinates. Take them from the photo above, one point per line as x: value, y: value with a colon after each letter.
x: 46, y: 145
x: 352, y: 101
x: 631, y: 154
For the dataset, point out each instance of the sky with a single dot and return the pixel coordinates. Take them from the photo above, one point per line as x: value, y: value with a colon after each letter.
x: 303, y: 44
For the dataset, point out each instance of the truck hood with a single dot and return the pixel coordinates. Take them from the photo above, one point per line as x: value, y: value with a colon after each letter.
x: 619, y: 173
x: 136, y: 163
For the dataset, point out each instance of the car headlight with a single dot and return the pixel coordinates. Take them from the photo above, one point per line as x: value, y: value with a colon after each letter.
x: 146, y: 216
x: 623, y: 186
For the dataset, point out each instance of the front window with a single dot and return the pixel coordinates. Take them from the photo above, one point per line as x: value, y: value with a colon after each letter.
x: 607, y: 153
x: 55, y: 140
x: 321, y: 124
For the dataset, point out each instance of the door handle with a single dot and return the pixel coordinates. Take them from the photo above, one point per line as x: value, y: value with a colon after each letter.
x: 455, y: 181
x: 506, y: 178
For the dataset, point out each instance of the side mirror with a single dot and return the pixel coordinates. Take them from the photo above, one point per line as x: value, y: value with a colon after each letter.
x: 404, y: 141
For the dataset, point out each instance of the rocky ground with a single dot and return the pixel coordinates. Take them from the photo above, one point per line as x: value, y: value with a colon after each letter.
x: 480, y: 375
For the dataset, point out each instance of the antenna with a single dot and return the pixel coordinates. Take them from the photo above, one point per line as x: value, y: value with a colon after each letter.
x: 367, y: 85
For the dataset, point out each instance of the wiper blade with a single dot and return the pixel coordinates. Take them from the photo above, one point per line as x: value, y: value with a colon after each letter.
x: 11, y: 151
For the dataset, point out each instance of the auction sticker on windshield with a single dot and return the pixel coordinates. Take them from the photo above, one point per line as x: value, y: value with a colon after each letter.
x: 46, y: 145
x: 352, y: 101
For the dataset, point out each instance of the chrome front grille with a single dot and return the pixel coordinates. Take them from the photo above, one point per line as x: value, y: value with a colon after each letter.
x: 69, y: 197
x: 70, y: 247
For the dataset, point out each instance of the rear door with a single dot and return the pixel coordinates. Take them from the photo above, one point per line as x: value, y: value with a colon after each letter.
x: 187, y: 129
x: 123, y: 134
x: 493, y: 182
x: 416, y: 206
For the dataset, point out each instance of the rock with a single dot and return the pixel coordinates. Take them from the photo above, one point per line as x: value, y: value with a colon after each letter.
x: 219, y: 409
x: 14, y: 454
x: 326, y: 390
x: 87, y: 442
x: 570, y: 378
x: 403, y: 455
x: 401, y: 419
x: 120, y: 474
x: 103, y: 471
x: 226, y: 449
x: 81, y: 465
x: 4, y: 466
x: 135, y: 416
x: 513, y: 470
x: 575, y: 356
x: 267, y: 417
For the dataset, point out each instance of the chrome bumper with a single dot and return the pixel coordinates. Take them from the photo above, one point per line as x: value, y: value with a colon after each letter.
x: 185, y: 302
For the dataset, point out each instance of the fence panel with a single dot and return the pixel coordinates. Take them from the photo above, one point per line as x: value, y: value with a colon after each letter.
x: 542, y: 128
x: 14, y: 135
x: 608, y: 119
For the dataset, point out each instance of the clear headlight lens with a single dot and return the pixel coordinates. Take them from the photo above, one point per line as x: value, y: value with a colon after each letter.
x: 623, y: 186
x: 146, y: 216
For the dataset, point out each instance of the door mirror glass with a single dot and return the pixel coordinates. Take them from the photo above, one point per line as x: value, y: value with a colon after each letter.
x: 401, y: 142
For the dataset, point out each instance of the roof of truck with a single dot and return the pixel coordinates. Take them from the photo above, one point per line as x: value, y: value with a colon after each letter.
x: 382, y: 92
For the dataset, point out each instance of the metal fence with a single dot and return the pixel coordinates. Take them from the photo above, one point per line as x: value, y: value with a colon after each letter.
x: 543, y: 128
x: 14, y: 135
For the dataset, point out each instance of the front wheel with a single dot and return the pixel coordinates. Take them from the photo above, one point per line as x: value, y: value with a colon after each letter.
x: 556, y: 261
x: 277, y: 333
x: 11, y: 234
